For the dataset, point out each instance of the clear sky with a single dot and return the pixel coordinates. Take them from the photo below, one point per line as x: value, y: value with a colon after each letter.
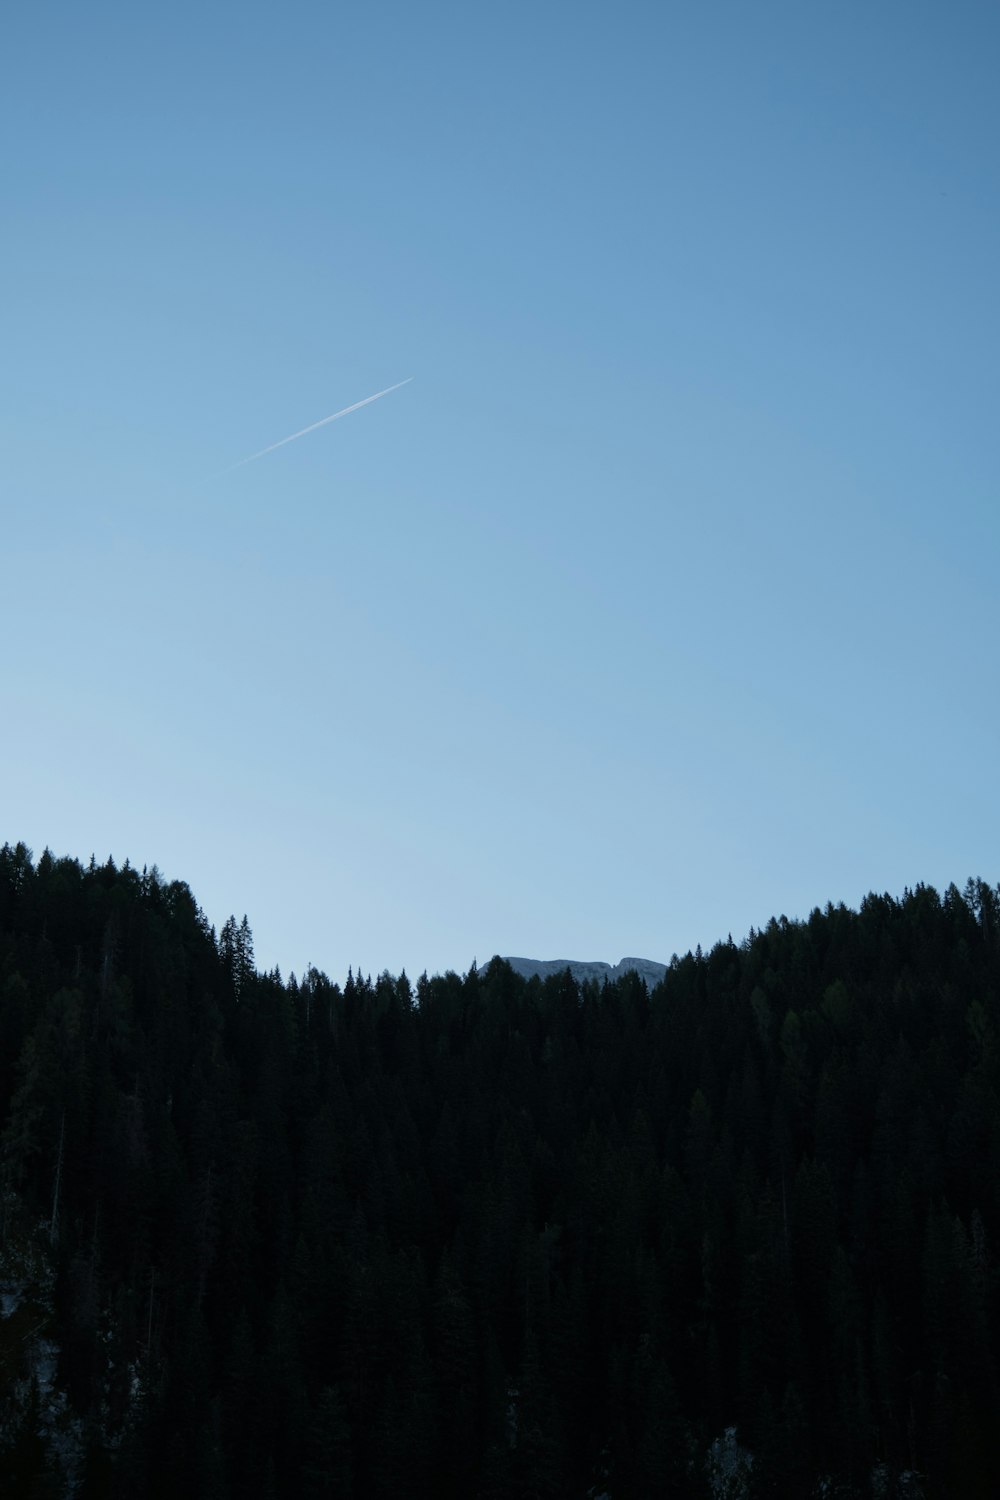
x: 663, y: 600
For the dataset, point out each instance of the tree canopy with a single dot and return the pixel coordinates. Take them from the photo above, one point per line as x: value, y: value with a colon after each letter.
x: 487, y: 1236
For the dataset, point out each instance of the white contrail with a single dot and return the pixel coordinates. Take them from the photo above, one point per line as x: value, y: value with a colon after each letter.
x: 321, y: 423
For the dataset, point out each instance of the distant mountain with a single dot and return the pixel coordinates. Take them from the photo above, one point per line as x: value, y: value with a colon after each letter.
x: 646, y: 968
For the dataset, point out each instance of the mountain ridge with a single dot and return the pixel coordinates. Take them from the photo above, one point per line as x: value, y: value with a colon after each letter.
x: 647, y: 969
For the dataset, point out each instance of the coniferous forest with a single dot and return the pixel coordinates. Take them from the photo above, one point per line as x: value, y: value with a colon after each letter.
x: 481, y: 1236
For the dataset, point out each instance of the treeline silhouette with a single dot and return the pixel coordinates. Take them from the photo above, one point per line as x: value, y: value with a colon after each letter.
x: 483, y: 1236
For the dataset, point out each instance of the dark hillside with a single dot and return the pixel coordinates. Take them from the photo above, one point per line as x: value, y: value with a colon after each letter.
x: 493, y: 1236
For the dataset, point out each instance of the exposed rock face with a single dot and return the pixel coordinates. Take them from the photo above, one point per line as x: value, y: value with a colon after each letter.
x: 646, y: 968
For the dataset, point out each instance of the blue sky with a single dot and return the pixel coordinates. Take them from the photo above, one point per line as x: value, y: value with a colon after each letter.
x: 663, y: 599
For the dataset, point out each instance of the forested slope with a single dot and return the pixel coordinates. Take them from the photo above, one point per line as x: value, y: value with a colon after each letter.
x: 496, y: 1237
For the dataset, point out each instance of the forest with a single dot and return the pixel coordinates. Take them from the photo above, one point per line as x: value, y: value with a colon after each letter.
x: 481, y: 1236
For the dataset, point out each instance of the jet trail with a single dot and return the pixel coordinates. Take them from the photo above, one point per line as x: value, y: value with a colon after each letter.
x: 321, y: 423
